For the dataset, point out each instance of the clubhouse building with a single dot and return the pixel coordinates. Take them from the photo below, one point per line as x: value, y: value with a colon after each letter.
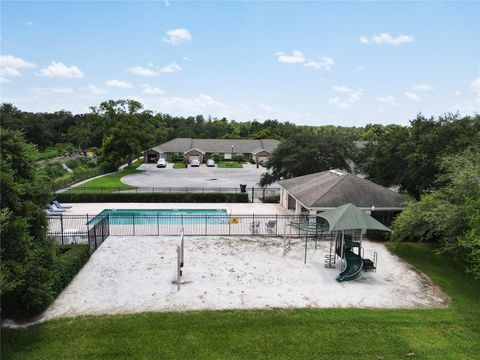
x: 318, y: 192
x: 203, y: 149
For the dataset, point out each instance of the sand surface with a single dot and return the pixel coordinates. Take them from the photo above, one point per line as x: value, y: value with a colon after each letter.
x: 136, y: 274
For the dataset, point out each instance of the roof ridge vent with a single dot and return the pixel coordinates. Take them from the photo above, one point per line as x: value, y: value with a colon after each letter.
x: 337, y: 172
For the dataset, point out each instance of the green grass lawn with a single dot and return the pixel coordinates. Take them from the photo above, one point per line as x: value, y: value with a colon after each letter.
x: 229, y: 164
x: 109, y: 181
x: 179, y: 165
x: 444, y: 333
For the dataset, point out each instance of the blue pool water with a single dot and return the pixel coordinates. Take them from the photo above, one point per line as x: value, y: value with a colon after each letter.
x: 163, y: 216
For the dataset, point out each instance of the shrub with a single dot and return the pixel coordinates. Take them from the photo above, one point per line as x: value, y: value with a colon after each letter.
x: 239, y: 158
x: 76, y: 176
x: 271, y: 199
x: 54, y: 169
x: 217, y: 157
x: 77, y: 162
x: 252, y: 161
x: 70, y: 259
x: 176, y: 158
x: 153, y: 197
x: 378, y: 235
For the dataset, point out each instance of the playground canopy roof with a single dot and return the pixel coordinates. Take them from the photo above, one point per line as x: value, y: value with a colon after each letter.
x: 349, y: 217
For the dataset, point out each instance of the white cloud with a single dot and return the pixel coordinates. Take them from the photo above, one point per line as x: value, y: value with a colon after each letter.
x: 10, y: 66
x: 457, y: 93
x: 9, y: 71
x: 3, y: 80
x: 185, y: 58
x: 59, y: 69
x: 118, y: 84
x: 167, y: 3
x: 177, y: 36
x: 139, y: 70
x: 295, y: 58
x: 423, y: 87
x: 149, y: 90
x: 324, y: 64
x: 342, y: 89
x: 475, y: 85
x: 171, y: 68
x: 412, y: 96
x: 353, y: 96
x: 386, y: 38
x: 389, y: 99
x: 29, y: 23
x: 94, y: 90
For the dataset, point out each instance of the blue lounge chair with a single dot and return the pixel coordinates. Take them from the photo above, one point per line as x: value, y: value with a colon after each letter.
x: 51, y: 208
x: 53, y: 213
x: 60, y: 206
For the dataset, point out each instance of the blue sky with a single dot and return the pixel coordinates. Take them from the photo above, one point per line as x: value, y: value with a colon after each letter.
x: 315, y: 63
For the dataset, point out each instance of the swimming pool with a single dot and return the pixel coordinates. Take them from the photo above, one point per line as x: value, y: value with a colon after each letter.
x: 162, y: 216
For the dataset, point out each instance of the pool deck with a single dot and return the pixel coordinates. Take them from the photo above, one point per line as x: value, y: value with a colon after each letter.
x: 232, y: 208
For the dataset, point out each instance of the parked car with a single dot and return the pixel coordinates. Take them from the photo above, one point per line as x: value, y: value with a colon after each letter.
x: 210, y: 162
x: 161, y: 163
x: 194, y: 163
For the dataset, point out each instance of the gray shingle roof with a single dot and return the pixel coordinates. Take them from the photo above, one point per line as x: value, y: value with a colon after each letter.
x: 217, y: 145
x: 330, y: 189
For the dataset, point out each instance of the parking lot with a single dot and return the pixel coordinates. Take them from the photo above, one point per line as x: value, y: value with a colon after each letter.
x: 202, y: 176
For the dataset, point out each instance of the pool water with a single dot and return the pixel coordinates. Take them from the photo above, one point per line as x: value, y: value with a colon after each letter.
x: 162, y: 216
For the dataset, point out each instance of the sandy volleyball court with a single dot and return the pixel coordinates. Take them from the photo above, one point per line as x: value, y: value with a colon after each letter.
x: 135, y: 274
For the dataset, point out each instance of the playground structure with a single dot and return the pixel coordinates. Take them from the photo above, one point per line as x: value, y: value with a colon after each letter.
x: 343, y: 227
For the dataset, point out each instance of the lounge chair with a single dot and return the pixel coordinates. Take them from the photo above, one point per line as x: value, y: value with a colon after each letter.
x: 51, y: 208
x: 254, y: 225
x: 53, y: 213
x: 270, y: 226
x: 60, y: 206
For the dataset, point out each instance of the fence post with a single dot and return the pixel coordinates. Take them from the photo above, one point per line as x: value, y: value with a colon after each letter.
x: 61, y: 226
x: 263, y: 199
x: 253, y: 193
x: 253, y: 224
x: 276, y: 224
x: 206, y: 231
x: 133, y: 223
x: 88, y: 231
x: 95, y: 234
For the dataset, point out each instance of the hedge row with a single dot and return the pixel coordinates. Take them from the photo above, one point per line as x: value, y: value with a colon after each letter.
x: 70, y: 259
x: 154, y: 197
x: 76, y: 176
x: 271, y: 199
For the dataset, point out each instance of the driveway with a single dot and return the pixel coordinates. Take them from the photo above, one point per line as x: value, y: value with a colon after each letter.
x: 194, y: 177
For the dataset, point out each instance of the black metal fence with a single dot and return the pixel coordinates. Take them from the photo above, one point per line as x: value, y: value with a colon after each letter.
x: 67, y: 229
x: 254, y: 193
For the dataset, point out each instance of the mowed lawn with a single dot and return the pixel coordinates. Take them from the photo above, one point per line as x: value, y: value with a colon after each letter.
x: 229, y: 165
x: 110, y: 182
x: 444, y: 333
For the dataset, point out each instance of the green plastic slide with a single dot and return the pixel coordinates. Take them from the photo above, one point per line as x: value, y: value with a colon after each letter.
x: 354, y: 265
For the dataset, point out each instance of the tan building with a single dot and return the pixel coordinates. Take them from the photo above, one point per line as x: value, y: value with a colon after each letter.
x: 204, y: 149
x: 326, y: 190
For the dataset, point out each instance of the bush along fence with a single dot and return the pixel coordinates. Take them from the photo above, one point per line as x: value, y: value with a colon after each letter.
x: 172, y: 194
x: 153, y: 197
x: 93, y: 230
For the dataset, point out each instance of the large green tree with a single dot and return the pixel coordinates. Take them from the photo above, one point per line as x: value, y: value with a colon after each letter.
x: 450, y: 214
x: 408, y: 157
x: 126, y: 131
x: 307, y: 152
x: 27, y: 255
